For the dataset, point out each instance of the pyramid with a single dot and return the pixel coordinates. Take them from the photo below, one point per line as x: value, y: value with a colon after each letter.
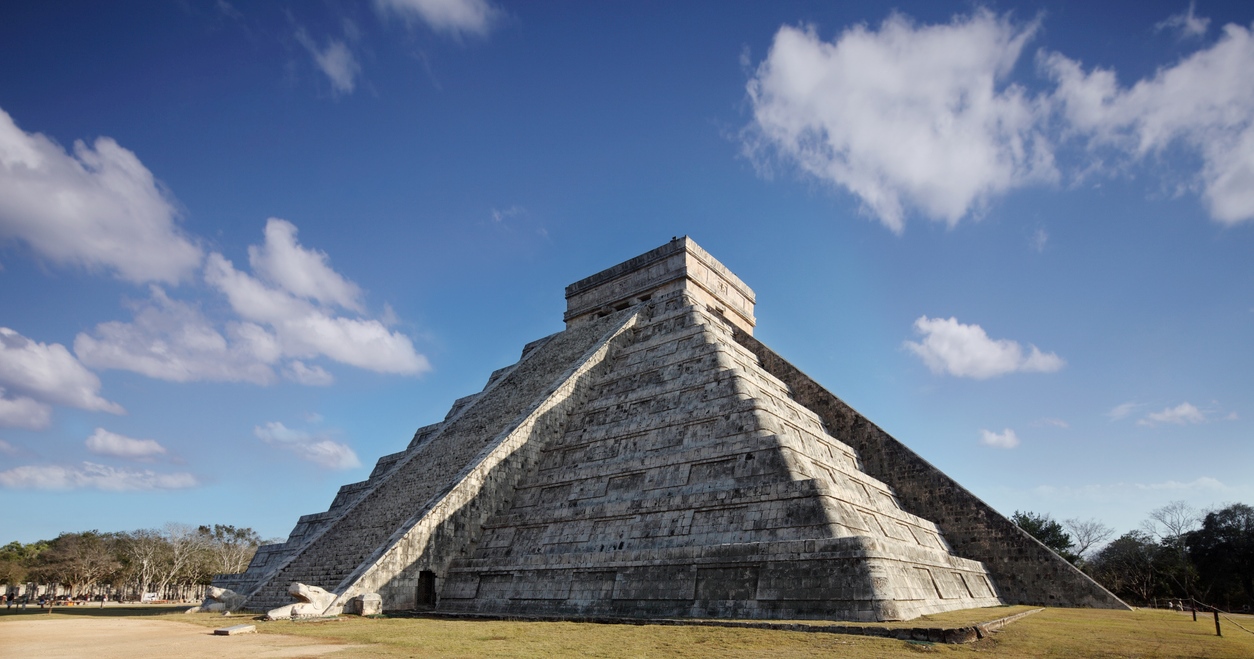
x: 654, y: 459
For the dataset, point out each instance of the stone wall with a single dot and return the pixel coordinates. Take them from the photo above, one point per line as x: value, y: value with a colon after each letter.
x: 1024, y: 570
x: 680, y: 265
x: 691, y: 484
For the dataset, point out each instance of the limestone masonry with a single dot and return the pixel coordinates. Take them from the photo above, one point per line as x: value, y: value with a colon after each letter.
x: 656, y: 460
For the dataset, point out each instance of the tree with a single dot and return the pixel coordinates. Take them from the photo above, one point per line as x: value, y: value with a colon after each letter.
x: 1223, y: 551
x: 1048, y: 531
x: 143, y: 551
x: 1126, y: 566
x: 1087, y: 534
x: 78, y: 560
x: 181, y: 560
x: 232, y: 548
x: 1171, y: 522
x: 12, y: 563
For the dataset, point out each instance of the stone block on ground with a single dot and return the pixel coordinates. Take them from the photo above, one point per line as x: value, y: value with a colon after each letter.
x: 370, y: 604
x: 235, y: 629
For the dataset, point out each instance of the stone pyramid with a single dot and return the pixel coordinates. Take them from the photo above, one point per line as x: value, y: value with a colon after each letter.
x: 655, y: 460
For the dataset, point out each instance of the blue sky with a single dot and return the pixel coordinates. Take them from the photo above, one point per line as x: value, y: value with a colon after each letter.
x: 248, y: 248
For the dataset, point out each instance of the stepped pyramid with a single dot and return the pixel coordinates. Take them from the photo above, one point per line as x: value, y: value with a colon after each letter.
x: 655, y: 460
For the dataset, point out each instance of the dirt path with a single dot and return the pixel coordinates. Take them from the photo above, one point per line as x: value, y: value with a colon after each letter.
x: 122, y: 638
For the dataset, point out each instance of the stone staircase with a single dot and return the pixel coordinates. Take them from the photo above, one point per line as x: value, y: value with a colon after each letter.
x: 424, y: 471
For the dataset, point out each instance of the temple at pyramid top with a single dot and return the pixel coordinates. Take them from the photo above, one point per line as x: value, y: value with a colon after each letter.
x: 680, y: 264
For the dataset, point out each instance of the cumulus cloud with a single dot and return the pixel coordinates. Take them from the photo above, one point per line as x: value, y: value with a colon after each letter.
x: 288, y: 312
x: 453, y: 17
x: 1004, y: 439
x: 103, y: 442
x: 304, y: 328
x: 966, y: 351
x: 23, y: 412
x: 283, y: 261
x: 317, y: 449
x: 1204, y: 103
x: 172, y: 340
x: 905, y: 115
x: 1188, y: 23
x: 924, y: 118
x: 97, y: 207
x: 34, y: 376
x: 93, y: 476
x: 335, y: 60
x: 1178, y: 415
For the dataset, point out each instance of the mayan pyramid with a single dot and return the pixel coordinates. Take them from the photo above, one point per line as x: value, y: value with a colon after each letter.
x: 655, y: 460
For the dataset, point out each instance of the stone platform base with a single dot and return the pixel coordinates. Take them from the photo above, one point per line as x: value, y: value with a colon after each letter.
x: 931, y: 634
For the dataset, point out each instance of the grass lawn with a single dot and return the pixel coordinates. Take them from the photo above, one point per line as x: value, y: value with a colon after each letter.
x: 1050, y: 633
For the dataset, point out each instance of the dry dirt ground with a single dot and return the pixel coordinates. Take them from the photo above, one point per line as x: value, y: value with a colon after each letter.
x: 132, y: 638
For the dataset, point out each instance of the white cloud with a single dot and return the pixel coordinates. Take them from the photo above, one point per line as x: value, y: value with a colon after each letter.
x: 172, y: 340
x: 1115, y: 491
x: 500, y: 216
x: 1004, y: 439
x: 1205, y: 103
x: 1122, y: 411
x: 23, y: 412
x: 1057, y: 423
x: 35, y: 375
x: 8, y: 449
x: 966, y: 351
x: 336, y: 61
x: 315, y: 376
x: 282, y: 261
x: 288, y: 315
x: 1188, y: 23
x: 1232, y: 416
x: 99, y: 207
x: 305, y: 330
x: 103, y: 442
x: 455, y: 17
x: 93, y: 476
x: 903, y: 116
x: 317, y: 449
x: 1178, y: 415
x: 923, y: 118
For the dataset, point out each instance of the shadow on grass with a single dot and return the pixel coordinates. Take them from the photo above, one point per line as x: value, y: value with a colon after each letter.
x: 111, y: 611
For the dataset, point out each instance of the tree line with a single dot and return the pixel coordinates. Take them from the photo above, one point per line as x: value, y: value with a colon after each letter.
x: 175, y: 561
x: 1179, y: 553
